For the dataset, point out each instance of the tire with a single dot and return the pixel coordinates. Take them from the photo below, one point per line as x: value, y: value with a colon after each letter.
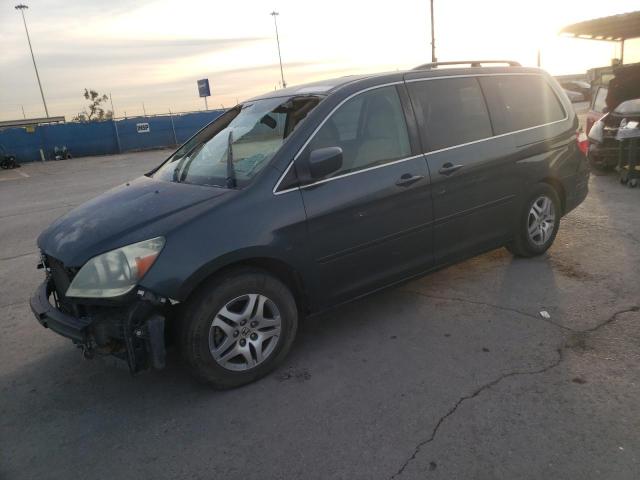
x: 242, y: 305
x: 525, y: 244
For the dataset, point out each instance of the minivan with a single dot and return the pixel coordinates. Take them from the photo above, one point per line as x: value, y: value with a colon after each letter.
x: 299, y: 200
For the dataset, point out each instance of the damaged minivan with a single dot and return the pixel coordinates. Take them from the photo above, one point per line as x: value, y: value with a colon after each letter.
x: 305, y: 198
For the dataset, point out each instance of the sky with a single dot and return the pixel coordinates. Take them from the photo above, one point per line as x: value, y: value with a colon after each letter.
x: 152, y: 52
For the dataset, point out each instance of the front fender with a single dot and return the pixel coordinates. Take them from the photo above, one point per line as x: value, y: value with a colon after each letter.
x: 257, y: 254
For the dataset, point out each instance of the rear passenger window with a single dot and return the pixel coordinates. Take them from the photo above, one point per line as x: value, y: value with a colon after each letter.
x: 450, y: 111
x: 520, y: 101
x: 370, y: 128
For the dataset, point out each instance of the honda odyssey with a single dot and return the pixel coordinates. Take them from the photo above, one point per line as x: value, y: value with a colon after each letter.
x: 302, y: 199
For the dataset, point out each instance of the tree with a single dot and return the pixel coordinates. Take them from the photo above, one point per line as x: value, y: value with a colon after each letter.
x: 96, y: 111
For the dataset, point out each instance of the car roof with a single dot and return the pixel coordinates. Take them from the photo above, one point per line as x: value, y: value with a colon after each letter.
x: 326, y: 87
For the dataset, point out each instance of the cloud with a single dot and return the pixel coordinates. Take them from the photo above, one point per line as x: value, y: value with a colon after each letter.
x: 86, y: 54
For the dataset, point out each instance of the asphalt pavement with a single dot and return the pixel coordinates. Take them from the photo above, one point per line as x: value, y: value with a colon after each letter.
x: 453, y: 376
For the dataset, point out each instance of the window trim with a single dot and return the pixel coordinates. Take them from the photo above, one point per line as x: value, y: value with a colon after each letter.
x: 424, y: 154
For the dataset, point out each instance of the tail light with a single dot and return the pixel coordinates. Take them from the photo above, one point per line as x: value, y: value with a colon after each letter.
x: 583, y: 141
x: 590, y: 122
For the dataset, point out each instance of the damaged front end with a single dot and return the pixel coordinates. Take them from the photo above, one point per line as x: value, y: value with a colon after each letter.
x: 129, y: 328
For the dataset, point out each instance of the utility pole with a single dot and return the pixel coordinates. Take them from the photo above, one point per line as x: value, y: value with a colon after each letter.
x: 433, y: 36
x: 274, y: 14
x: 22, y: 8
x: 113, y: 110
x: 23, y: 115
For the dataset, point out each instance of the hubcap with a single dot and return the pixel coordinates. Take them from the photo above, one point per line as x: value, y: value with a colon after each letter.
x: 541, y: 221
x: 244, y: 333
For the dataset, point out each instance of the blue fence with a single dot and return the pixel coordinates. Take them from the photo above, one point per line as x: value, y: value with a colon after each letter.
x: 104, y: 138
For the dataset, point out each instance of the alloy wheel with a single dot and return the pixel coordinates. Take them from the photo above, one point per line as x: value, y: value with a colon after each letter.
x: 541, y: 220
x: 244, y: 333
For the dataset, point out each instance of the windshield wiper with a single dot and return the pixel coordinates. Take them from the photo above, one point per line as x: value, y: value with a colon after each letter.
x: 231, y: 172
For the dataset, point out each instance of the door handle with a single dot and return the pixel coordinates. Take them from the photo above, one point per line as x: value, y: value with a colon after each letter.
x: 449, y: 168
x: 408, y: 179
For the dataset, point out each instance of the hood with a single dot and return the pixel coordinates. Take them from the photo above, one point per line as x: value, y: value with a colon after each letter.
x: 138, y: 210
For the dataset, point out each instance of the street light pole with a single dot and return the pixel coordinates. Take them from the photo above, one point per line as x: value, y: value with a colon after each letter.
x: 22, y: 8
x: 433, y: 37
x: 274, y: 14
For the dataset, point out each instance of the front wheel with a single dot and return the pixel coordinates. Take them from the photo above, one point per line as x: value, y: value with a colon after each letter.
x: 538, y: 223
x: 238, y: 327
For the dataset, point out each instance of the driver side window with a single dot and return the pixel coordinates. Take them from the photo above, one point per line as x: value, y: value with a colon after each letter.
x: 370, y: 128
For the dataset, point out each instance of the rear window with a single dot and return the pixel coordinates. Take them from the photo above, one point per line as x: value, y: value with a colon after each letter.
x: 520, y: 101
x: 451, y: 111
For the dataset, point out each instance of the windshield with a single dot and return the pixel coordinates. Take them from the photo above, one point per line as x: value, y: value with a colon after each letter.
x: 238, y: 145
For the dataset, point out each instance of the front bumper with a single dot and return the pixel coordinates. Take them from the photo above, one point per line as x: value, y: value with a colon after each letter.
x: 63, y: 324
x: 134, y: 334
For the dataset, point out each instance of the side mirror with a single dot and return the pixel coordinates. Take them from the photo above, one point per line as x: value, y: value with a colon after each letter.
x: 324, y: 161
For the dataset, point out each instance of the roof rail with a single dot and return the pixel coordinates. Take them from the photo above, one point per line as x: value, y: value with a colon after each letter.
x: 472, y: 63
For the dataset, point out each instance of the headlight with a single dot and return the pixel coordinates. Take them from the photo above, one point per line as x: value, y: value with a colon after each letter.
x: 116, y: 272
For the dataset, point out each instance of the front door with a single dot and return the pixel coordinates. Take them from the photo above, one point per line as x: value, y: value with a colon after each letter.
x: 370, y: 223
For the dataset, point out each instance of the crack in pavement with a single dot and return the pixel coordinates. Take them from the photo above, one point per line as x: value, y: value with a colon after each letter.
x: 13, y: 257
x: 491, y: 305
x: 477, y: 392
x: 611, y: 319
x: 40, y: 210
x: 13, y: 304
x: 502, y: 377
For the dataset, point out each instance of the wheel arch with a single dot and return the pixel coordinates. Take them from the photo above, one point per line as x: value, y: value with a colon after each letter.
x: 560, y: 190
x: 277, y: 267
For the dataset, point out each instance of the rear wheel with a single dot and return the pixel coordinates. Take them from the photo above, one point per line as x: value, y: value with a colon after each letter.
x: 238, y: 328
x: 538, y: 223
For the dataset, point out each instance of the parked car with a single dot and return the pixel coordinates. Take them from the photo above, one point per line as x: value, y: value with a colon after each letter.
x: 574, y: 97
x: 578, y: 86
x: 305, y: 198
x: 621, y: 102
x: 604, y: 147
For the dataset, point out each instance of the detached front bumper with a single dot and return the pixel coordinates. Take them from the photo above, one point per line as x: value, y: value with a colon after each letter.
x: 134, y: 333
x: 49, y: 316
